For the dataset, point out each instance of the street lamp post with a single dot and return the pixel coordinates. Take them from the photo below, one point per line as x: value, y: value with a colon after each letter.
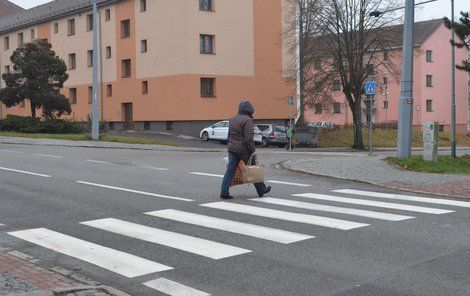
x: 95, y: 125
x: 452, y: 100
x: 405, y: 123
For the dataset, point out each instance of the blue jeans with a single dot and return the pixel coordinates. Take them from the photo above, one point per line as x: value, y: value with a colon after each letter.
x: 233, y: 160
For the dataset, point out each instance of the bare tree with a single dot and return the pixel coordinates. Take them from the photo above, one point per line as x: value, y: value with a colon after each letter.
x: 338, y: 41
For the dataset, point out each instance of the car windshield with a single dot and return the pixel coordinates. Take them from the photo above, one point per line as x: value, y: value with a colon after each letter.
x: 279, y: 129
x: 263, y: 127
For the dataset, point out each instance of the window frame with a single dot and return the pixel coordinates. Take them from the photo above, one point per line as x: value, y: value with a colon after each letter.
x: 109, y: 90
x: 90, y: 95
x: 429, y: 56
x: 143, y: 46
x: 429, y: 106
x: 206, y: 5
x: 89, y: 22
x: 89, y: 55
x: 211, y: 85
x: 107, y: 14
x: 385, y: 104
x: 203, y: 45
x: 125, y: 29
x: 336, y: 108
x: 71, y: 27
x: 6, y: 43
x: 72, y: 61
x: 20, y: 39
x: 318, y: 108
x: 33, y: 34
x: 145, y: 87
x: 143, y: 5
x: 56, y: 28
x: 109, y: 52
x: 126, y: 73
x: 429, y: 80
x: 73, y: 95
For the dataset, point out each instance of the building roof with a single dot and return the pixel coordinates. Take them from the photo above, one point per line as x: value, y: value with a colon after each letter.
x: 8, y: 8
x: 42, y: 13
x: 423, y: 30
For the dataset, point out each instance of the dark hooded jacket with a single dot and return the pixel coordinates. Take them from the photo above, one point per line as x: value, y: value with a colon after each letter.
x: 240, y: 133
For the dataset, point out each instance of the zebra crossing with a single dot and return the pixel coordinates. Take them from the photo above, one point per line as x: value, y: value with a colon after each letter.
x: 267, y: 209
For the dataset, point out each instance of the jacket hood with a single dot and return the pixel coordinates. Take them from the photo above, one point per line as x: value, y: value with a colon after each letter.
x: 246, y: 108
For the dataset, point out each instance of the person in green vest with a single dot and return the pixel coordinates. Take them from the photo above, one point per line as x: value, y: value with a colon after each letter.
x: 289, y: 135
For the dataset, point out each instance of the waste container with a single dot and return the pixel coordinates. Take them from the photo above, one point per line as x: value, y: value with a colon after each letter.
x: 307, y: 136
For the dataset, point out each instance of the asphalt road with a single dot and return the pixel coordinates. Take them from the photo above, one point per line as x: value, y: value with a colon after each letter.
x: 281, y: 247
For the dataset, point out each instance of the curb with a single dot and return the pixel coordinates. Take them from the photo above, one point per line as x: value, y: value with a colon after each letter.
x: 2, y: 141
x: 283, y: 165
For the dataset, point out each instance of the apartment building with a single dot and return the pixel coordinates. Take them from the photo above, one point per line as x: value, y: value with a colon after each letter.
x: 175, y: 65
x: 432, y: 85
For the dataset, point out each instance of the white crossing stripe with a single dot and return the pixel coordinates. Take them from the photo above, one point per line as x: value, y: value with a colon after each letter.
x: 269, y: 181
x: 372, y: 203
x: 116, y: 261
x: 50, y: 156
x: 439, y: 201
x: 134, y: 191
x: 25, y: 172
x: 287, y: 216
x: 262, y: 232
x: 288, y: 183
x: 206, y: 174
x: 173, y: 288
x: 332, y: 209
x: 170, y: 239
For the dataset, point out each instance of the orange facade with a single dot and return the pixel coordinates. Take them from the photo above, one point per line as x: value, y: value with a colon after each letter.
x: 247, y: 61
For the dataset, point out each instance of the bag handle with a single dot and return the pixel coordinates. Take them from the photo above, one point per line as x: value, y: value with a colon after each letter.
x: 250, y: 160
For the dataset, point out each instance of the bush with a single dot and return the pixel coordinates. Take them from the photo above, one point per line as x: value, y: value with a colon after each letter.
x: 31, y: 125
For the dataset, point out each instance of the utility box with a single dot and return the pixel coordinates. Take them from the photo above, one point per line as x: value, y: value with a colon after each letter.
x: 431, y: 139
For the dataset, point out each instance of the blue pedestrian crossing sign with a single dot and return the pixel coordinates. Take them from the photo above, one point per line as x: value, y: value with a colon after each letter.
x: 371, y: 88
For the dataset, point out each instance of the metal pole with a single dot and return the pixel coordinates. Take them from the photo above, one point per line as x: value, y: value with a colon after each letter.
x: 405, y: 123
x: 452, y: 102
x: 95, y: 126
x: 371, y: 100
x: 468, y: 92
x: 386, y: 110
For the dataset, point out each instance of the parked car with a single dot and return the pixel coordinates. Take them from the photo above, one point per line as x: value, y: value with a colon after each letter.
x: 273, y: 135
x: 219, y: 132
x: 322, y: 124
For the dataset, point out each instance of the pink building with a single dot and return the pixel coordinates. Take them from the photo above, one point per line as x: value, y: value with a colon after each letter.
x: 432, y: 85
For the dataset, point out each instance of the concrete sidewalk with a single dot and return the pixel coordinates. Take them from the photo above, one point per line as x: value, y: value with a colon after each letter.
x: 374, y: 170
x: 21, y: 276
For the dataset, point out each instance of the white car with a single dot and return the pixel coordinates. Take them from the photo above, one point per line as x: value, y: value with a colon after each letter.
x: 219, y: 132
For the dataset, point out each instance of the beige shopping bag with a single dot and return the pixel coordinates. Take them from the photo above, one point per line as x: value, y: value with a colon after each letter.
x: 252, y: 173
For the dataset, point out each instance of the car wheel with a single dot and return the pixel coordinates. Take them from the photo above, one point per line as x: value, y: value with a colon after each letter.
x: 205, y: 136
x: 264, y: 142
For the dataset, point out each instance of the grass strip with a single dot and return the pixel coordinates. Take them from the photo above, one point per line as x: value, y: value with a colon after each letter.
x: 444, y: 164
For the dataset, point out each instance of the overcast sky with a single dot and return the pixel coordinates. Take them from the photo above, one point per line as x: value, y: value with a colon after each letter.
x: 433, y: 10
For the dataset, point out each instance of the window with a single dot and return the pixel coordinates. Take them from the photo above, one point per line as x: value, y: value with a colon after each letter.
x: 169, y: 125
x: 33, y: 35
x: 336, y: 85
x: 206, y: 43
x: 143, y: 5
x: 6, y: 43
x: 370, y: 69
x: 89, y: 22
x: 385, y: 80
x: 73, y: 95
x: 108, y: 52
x: 385, y: 55
x: 56, y: 28
x: 429, y: 82
x: 317, y: 65
x: 126, y: 68
x: 107, y: 15
x: 146, y: 125
x: 145, y: 87
x: 385, y: 104
x: 7, y: 69
x: 109, y: 90
x: 20, y: 39
x: 428, y: 105
x: 125, y: 29
x: 71, y: 27
x: 318, y: 108
x: 206, y: 5
x: 89, y: 58
x: 72, y: 61
x: 143, y: 45
x: 429, y: 56
x: 336, y: 108
x: 90, y: 94
x: 207, y: 87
